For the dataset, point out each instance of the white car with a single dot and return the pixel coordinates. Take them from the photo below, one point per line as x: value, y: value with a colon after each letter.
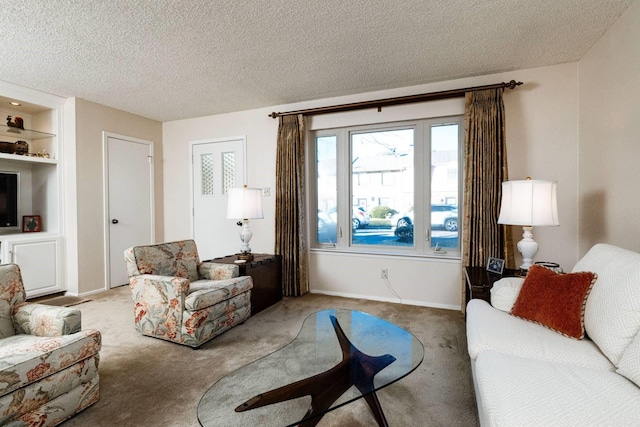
x: 442, y: 216
x: 360, y: 217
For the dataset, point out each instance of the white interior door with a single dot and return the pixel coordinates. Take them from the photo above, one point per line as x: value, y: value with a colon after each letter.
x: 129, y: 204
x: 217, y: 166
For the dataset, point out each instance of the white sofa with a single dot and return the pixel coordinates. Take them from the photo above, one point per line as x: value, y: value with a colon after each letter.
x: 528, y: 375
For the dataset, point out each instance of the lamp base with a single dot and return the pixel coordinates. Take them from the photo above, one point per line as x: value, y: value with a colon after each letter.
x: 527, y: 247
x: 245, y: 256
x: 245, y: 238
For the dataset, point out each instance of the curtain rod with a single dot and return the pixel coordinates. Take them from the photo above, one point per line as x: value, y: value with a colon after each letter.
x: 445, y: 94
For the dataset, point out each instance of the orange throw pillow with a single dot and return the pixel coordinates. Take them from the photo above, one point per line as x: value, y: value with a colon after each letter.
x: 555, y: 300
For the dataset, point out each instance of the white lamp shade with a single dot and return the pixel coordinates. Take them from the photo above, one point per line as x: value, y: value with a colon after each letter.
x: 244, y: 203
x: 529, y: 203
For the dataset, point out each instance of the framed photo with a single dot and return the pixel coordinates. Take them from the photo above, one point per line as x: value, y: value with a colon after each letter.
x: 31, y: 223
x: 495, y: 265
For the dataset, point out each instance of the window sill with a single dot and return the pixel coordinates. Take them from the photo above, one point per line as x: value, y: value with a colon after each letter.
x: 430, y: 256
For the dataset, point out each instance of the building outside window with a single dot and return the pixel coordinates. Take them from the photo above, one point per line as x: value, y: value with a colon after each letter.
x: 388, y: 188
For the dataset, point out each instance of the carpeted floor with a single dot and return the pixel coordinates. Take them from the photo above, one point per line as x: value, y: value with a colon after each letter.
x: 150, y: 382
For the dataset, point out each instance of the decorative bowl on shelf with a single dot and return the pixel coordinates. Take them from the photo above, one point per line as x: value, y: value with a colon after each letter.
x: 42, y: 154
x: 18, y: 147
x: 7, y: 147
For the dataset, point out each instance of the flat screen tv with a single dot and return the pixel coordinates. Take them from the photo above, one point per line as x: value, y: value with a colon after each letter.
x: 9, y: 199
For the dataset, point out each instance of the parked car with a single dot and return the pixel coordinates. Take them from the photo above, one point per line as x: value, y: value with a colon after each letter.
x: 327, y: 228
x: 442, y: 216
x: 445, y: 216
x: 360, y: 217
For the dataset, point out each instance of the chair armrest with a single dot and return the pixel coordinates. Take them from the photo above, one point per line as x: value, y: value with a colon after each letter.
x: 46, y: 320
x: 218, y: 271
x: 158, y: 295
x: 505, y: 291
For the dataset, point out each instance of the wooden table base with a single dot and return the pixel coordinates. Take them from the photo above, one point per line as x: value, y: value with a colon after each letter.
x: 356, y: 368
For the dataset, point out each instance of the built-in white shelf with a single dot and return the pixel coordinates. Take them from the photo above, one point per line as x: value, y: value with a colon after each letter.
x: 29, y: 159
x: 18, y: 133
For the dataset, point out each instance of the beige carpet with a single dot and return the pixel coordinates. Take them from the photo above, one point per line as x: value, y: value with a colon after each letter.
x: 150, y: 382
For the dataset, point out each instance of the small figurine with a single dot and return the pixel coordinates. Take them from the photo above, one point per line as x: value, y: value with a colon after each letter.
x: 22, y: 148
x: 18, y: 123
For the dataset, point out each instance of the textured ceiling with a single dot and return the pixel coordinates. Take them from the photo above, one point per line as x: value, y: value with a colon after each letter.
x: 170, y: 60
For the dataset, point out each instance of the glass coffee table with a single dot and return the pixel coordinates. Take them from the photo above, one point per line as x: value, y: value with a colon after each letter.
x: 338, y: 357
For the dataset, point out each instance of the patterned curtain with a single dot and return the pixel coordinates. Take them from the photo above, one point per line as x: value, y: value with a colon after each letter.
x: 485, y: 170
x: 291, y: 236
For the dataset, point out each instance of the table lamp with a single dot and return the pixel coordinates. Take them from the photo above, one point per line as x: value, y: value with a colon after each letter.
x: 244, y: 204
x: 528, y: 203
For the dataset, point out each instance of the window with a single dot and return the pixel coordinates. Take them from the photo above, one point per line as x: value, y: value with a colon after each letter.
x: 390, y: 188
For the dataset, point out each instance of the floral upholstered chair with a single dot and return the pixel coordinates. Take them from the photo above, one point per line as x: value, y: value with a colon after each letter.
x: 48, y: 367
x: 178, y: 298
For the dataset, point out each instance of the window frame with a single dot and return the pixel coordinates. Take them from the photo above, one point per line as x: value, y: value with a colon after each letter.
x: 422, y: 188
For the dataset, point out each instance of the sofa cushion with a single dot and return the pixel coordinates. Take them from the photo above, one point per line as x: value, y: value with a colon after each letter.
x: 25, y: 399
x: 56, y: 411
x: 179, y: 259
x: 504, y: 293
x: 612, y: 313
x: 629, y: 365
x: 218, y: 271
x: 205, y: 293
x: 518, y: 391
x: 26, y: 358
x: 555, y: 300
x: 492, y: 329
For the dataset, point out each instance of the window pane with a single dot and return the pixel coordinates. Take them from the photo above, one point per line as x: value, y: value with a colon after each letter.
x: 207, y: 173
x: 228, y: 171
x: 390, y: 182
x: 382, y: 171
x: 444, y: 186
x: 326, y: 167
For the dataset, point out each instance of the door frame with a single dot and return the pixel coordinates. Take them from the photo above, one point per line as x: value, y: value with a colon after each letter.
x: 192, y: 144
x: 105, y: 196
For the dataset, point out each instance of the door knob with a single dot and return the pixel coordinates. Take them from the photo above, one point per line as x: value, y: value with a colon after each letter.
x: 114, y: 221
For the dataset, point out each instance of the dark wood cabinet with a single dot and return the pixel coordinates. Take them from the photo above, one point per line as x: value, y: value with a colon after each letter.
x: 266, y: 272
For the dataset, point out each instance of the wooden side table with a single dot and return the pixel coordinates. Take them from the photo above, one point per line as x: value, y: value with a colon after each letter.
x: 266, y: 272
x: 480, y: 281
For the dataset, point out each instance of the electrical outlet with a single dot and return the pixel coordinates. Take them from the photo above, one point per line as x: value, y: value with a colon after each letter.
x: 384, y: 273
x: 266, y: 191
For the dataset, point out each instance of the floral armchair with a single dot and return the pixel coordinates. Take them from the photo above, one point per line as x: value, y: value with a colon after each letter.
x: 48, y: 366
x: 181, y: 299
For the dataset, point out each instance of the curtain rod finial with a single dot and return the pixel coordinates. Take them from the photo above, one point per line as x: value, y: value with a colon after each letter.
x: 274, y: 115
x: 512, y: 84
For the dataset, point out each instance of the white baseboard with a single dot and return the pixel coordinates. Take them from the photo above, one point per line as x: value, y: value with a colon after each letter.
x: 391, y: 300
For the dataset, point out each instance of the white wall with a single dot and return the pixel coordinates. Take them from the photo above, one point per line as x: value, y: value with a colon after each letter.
x: 542, y: 143
x: 609, y: 194
x: 260, y: 132
x: 90, y: 120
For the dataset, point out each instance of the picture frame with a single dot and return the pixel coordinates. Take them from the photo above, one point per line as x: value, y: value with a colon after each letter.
x: 31, y: 223
x: 495, y: 265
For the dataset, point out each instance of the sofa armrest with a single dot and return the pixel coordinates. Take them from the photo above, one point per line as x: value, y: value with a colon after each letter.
x: 218, y: 271
x: 46, y: 320
x: 505, y: 291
